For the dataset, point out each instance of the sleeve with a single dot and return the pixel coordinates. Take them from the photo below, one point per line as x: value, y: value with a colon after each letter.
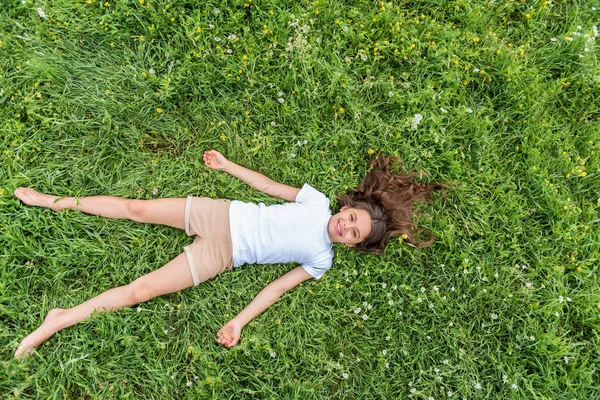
x: 318, y: 268
x: 308, y: 194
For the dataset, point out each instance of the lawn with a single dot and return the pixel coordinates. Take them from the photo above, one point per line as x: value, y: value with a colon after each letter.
x: 500, y: 99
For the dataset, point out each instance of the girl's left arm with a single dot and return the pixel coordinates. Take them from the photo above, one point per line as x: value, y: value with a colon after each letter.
x: 229, y: 334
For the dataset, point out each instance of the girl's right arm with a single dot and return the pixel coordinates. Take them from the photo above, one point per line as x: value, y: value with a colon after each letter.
x: 229, y: 334
x: 215, y: 160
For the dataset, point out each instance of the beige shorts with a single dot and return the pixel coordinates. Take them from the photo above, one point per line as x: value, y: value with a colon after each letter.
x: 211, y: 252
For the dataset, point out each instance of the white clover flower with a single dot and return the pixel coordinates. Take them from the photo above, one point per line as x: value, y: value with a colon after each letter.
x: 443, y: 297
x: 273, y: 123
x: 292, y: 154
x: 281, y: 100
x: 527, y: 285
x: 532, y: 338
x: 384, y: 352
x: 280, y: 94
x: 445, y: 362
x: 211, y: 26
x: 369, y: 307
x: 420, y: 300
x: 465, y: 271
x: 514, y: 386
x: 430, y: 305
x: 560, y: 299
x: 452, y: 289
x: 553, y: 39
x: 365, y: 317
x: 387, y: 364
x: 273, y: 354
x: 400, y: 313
x: 451, y: 324
x: 154, y: 191
x: 394, y: 287
x: 232, y: 37
x: 466, y: 260
x: 557, y: 314
x: 566, y: 359
x: 435, y: 289
x: 384, y: 285
x: 568, y: 299
x: 504, y: 378
x: 357, y: 310
x: 417, y: 120
x: 189, y: 383
x: 139, y: 309
x: 494, y: 316
x: 436, y: 370
x: 217, y: 39
x: 344, y: 376
x: 387, y: 338
x: 470, y: 110
x: 41, y: 13
x: 476, y: 70
x: 496, y: 275
x: 391, y: 302
x: 442, y: 265
x: 449, y: 393
x: 390, y: 94
x: 422, y: 290
x: 389, y: 294
x: 217, y: 11
x: 477, y: 386
x: 228, y: 51
x: 413, y: 390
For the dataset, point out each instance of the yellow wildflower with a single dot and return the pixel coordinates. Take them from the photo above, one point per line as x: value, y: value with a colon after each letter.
x: 371, y: 151
x: 159, y: 110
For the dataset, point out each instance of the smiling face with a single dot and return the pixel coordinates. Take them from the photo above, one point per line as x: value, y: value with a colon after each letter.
x: 349, y: 226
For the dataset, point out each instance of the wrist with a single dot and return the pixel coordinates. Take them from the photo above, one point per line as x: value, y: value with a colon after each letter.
x: 239, y: 321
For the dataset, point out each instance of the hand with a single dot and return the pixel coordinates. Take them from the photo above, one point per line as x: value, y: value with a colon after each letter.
x: 215, y: 160
x: 229, y: 334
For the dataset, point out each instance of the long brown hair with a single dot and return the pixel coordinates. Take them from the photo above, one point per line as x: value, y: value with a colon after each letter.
x: 388, y: 198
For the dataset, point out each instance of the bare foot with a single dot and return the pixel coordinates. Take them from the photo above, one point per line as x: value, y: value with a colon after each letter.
x: 40, y: 335
x: 31, y: 197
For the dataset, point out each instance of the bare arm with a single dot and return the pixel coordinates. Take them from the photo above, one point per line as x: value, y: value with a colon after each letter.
x: 229, y: 334
x: 215, y: 160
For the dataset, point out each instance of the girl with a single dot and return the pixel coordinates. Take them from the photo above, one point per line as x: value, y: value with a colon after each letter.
x: 232, y: 233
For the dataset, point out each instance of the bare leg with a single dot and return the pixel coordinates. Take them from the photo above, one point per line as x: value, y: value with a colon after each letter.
x: 172, y: 277
x: 160, y: 211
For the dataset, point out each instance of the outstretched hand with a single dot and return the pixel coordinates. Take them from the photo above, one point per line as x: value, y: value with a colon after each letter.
x: 229, y: 334
x: 215, y: 160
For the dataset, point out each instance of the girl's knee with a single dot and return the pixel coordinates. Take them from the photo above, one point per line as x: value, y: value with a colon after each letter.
x: 139, y: 290
x: 136, y: 209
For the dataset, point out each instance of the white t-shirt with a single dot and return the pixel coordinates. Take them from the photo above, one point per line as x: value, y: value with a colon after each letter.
x: 281, y: 233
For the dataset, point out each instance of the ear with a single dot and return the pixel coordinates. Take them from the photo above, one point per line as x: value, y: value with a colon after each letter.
x: 350, y: 245
x: 344, y: 208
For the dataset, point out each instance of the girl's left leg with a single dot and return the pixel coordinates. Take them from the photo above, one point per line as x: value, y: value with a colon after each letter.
x: 172, y: 277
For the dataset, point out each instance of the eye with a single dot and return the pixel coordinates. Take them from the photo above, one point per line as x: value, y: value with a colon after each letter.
x: 354, y: 234
x: 352, y: 217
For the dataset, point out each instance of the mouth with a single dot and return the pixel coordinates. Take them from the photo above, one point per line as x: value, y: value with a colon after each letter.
x: 338, y: 228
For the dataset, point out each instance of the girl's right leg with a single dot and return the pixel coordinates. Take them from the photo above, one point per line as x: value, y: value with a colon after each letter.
x: 160, y: 211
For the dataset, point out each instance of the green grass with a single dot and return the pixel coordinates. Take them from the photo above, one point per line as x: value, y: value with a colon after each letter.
x: 122, y: 99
